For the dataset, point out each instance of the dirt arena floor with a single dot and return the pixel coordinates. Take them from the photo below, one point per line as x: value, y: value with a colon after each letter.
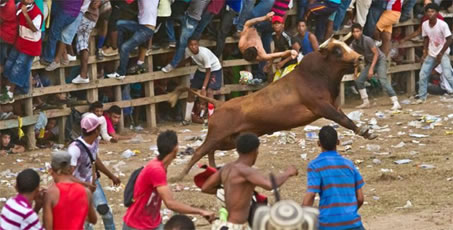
x: 412, y: 196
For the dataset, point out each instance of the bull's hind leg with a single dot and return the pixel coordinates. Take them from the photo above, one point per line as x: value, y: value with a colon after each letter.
x: 330, y: 112
x: 226, y: 144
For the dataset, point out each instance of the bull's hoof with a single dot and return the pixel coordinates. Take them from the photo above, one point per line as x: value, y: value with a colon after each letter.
x: 371, y: 136
x: 364, y: 132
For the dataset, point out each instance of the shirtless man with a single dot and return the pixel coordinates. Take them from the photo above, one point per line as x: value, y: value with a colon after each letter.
x: 251, y: 46
x: 239, y: 180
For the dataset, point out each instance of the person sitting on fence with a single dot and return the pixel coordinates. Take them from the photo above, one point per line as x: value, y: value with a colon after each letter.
x: 87, y: 24
x: 239, y: 180
x: 151, y: 188
x: 208, y: 76
x: 321, y: 10
x: 439, y: 85
x: 84, y: 156
x: 385, y: 24
x: 338, y: 183
x: 112, y: 118
x: 97, y: 108
x: 18, y: 214
x: 179, y: 222
x: 306, y: 41
x: 282, y: 42
x: 142, y: 31
x: 251, y: 46
x: 8, y: 146
x: 28, y: 46
x: 67, y: 204
x: 375, y: 61
x: 436, y: 48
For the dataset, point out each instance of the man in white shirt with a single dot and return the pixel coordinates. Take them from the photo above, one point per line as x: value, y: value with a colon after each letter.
x: 208, y: 76
x: 437, y: 37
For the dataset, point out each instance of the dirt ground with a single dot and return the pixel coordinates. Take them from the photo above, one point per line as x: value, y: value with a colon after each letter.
x: 406, y: 196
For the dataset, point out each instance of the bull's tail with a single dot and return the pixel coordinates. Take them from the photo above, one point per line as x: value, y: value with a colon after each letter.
x: 181, y: 89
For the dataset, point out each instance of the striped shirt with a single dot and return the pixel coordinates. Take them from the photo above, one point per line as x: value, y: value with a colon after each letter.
x: 17, y: 214
x: 336, y: 180
x: 280, y: 7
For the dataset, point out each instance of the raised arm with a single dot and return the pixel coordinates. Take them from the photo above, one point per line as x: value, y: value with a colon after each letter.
x: 266, y: 57
x: 253, y: 21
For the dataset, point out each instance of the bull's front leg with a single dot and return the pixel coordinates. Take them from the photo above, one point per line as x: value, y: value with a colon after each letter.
x: 328, y: 111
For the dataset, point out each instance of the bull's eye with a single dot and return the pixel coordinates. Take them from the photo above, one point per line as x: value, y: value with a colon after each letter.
x: 338, y: 52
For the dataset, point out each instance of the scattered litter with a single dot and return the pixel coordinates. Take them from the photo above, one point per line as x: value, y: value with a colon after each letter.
x: 413, y: 153
x: 416, y: 124
x: 8, y: 174
x: 400, y: 145
x: 376, y: 198
x: 373, y: 148
x: 406, y: 102
x: 302, y: 143
x: 415, y: 142
x: 382, y: 153
x: 407, y: 205
x: 355, y: 115
x: 448, y: 132
x: 218, y: 154
x: 193, y: 138
x: 129, y: 153
x: 426, y: 166
x: 188, y: 152
x: 136, y: 140
x: 19, y: 160
x: 309, y: 128
x: 386, y: 170
x: 450, y: 116
x: 403, y: 161
x: 116, y: 166
x: 113, y: 188
x: 195, y: 144
x: 416, y: 135
x: 311, y: 136
x: 380, y: 114
x: 186, y: 131
x: 450, y: 179
x: 376, y: 161
x: 373, y: 121
x: 139, y: 128
x: 348, y: 142
x: 303, y: 156
x: 286, y: 138
x: 401, y: 133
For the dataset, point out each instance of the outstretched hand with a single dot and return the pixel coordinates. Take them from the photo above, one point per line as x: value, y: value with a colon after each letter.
x: 270, y: 15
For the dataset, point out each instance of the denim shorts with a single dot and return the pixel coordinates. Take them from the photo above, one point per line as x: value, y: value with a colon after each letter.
x: 18, y: 68
x: 214, y: 83
x: 69, y: 32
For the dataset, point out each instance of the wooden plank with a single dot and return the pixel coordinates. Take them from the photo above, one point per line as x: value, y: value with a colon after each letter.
x: 151, y: 117
x: 30, y: 129
x: 118, y: 98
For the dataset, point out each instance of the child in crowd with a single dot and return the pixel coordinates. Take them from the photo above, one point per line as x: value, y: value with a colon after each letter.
x: 18, y: 214
x: 28, y: 45
x: 8, y: 147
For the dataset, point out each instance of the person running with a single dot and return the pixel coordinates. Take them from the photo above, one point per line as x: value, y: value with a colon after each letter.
x: 251, y: 46
x: 239, y: 180
x: 375, y: 61
x: 338, y: 183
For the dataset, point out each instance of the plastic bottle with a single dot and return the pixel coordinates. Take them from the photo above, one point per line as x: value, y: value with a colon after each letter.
x: 223, y: 214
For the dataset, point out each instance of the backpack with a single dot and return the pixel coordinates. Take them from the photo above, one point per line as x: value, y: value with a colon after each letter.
x: 129, y: 189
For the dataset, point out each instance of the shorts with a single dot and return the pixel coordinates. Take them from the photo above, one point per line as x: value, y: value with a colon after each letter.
x: 387, y: 20
x: 69, y: 32
x: 18, y: 68
x: 214, y: 83
x: 5, y: 48
x: 83, y: 34
x: 218, y: 225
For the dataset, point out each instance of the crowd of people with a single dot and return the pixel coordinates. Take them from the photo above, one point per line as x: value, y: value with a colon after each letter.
x: 49, y: 30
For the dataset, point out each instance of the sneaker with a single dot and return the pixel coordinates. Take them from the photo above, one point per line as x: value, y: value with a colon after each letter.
x: 168, y: 68
x: 156, y: 46
x: 99, y: 55
x: 137, y: 69
x: 53, y: 66
x: 378, y: 43
x: 109, y: 52
x: 396, y: 106
x: 420, y: 101
x: 116, y: 76
x: 80, y: 80
x: 43, y: 62
x: 36, y: 59
x: 186, y: 123
x: 172, y: 44
x: 72, y: 58
x: 64, y: 62
x: 7, y: 96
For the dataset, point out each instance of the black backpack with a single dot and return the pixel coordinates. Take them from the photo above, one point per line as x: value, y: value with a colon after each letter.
x: 129, y: 190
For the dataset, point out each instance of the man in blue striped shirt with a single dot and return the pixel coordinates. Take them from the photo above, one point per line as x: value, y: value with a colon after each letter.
x: 338, y: 183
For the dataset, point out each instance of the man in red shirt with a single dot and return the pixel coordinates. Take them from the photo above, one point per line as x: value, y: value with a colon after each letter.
x: 151, y: 189
x: 8, y: 28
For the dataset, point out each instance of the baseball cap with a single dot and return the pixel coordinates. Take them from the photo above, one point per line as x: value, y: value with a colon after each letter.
x: 61, y: 160
x: 90, y: 122
x: 276, y: 18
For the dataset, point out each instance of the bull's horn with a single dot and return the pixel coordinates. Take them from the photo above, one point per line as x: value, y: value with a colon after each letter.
x: 325, y: 43
x: 346, y: 37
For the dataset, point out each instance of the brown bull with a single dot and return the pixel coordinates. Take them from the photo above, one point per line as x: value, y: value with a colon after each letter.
x: 306, y: 94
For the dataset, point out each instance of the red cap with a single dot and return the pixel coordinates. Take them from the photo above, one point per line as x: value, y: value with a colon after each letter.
x: 276, y: 18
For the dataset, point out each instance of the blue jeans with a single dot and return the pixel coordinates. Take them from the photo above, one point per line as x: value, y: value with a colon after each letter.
x: 376, y: 9
x: 245, y: 14
x: 141, y: 34
x: 125, y: 227
x: 206, y: 18
x: 223, y: 31
x: 408, y: 6
x: 99, y: 199
x: 263, y: 7
x: 425, y: 72
x: 18, y: 68
x: 340, y: 13
x: 381, y: 70
x: 188, y: 28
x: 59, y: 22
x: 301, y: 7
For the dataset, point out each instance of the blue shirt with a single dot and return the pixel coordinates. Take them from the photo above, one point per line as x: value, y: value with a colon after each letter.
x: 336, y: 180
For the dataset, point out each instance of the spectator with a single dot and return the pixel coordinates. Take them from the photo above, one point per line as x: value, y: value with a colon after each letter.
x: 213, y: 9
x: 207, y: 78
x: 8, y: 146
x: 245, y: 13
x: 151, y: 189
x: 97, y: 108
x: 49, y: 136
x: 18, y: 214
x: 142, y: 32
x: 336, y: 19
x: 28, y: 45
x: 112, y: 118
x: 306, y: 41
x: 226, y: 22
x: 64, y: 14
x: 8, y: 26
x: 385, y: 24
x: 418, y: 32
x: 179, y: 222
x: 375, y: 61
x: 119, y: 7
x: 87, y: 24
x: 320, y: 11
x: 177, y: 14
x: 191, y: 20
x: 67, y: 205
x: 374, y: 14
x: 407, y: 8
x: 436, y: 48
x: 362, y: 7
x: 83, y: 152
x: 339, y: 202
x: 440, y: 85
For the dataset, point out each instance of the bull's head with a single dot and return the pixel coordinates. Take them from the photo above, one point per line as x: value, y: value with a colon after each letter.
x: 340, y: 51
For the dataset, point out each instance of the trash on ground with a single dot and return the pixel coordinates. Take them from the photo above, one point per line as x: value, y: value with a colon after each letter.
x: 303, y: 156
x: 413, y: 153
x: 311, y: 136
x: 376, y: 198
x: 400, y: 145
x: 401, y: 133
x: 416, y: 135
x: 376, y: 161
x: 373, y: 147
x: 403, y: 161
x: 186, y: 131
x: 138, y: 139
x: 309, y: 128
x: 287, y: 138
x: 450, y: 179
x: 187, y: 152
x: 348, y: 142
x: 129, y: 153
x: 380, y: 114
x: 386, y: 170
x: 372, y: 121
x: 382, y: 153
x: 302, y: 143
x: 426, y: 166
x: 407, y: 205
x: 406, y: 102
x: 355, y: 115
